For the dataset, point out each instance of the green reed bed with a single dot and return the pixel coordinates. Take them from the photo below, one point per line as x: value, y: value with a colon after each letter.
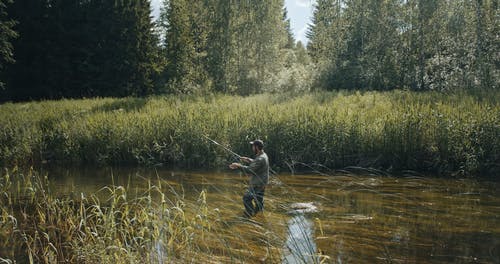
x: 394, y: 131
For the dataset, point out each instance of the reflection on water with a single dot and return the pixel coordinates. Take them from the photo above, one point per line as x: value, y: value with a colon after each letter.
x: 362, y: 219
x: 300, y: 246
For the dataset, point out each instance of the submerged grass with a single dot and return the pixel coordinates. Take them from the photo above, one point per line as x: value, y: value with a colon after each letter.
x: 430, y: 132
x: 113, y: 225
x: 159, y: 220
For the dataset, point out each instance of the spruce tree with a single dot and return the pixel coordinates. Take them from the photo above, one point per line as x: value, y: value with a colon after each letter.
x: 290, y: 42
x: 179, y: 45
x: 7, y: 34
x: 82, y: 49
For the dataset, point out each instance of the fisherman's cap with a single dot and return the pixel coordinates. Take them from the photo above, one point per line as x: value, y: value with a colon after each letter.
x: 259, y: 143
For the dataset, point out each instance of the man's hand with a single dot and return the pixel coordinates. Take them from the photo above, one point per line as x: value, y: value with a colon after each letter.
x: 234, y: 166
x: 246, y: 159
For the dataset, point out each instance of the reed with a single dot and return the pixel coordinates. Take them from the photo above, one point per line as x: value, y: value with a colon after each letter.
x: 113, y: 225
x: 445, y: 134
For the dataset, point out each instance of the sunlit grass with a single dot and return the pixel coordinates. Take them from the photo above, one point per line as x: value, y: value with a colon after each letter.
x: 394, y: 131
x: 360, y: 219
x: 113, y: 225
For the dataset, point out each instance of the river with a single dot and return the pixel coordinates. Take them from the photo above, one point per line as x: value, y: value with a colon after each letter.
x: 342, y: 219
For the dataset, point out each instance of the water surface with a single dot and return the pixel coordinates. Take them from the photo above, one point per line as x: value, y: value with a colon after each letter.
x: 360, y: 219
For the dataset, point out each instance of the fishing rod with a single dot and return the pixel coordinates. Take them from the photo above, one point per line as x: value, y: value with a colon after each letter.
x: 232, y: 152
x: 274, y: 173
x: 224, y: 147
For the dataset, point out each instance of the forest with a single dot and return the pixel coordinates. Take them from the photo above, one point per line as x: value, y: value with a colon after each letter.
x: 79, y: 49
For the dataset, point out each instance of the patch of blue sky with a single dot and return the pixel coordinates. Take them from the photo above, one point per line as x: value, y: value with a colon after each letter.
x: 299, y: 12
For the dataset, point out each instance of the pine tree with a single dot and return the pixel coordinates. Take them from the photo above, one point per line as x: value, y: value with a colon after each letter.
x: 267, y: 35
x: 7, y: 34
x: 301, y: 53
x: 290, y: 43
x: 141, y: 50
x: 234, y: 47
x: 264, y: 34
x: 325, y: 14
x: 328, y: 44
x: 83, y: 48
x: 26, y: 78
x: 186, y: 34
x: 219, y: 45
x: 381, y: 45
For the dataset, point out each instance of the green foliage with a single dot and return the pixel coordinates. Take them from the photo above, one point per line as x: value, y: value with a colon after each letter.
x: 423, y: 45
x: 395, y: 131
x: 6, y: 35
x: 232, y: 47
x: 82, y: 49
x: 185, y: 42
x: 290, y: 43
x: 112, y: 48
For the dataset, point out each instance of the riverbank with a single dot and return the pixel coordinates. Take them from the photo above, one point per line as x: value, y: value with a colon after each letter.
x: 444, y: 134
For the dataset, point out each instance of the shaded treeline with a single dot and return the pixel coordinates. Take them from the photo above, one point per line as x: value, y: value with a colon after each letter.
x: 392, y: 131
x: 114, y: 48
x: 55, y: 49
x: 419, y: 44
x: 7, y: 33
x: 82, y: 49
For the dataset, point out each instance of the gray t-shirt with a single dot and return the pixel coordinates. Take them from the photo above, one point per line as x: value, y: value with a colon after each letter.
x: 258, y: 170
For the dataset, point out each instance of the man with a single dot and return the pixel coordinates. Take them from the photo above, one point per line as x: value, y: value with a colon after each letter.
x: 258, y: 170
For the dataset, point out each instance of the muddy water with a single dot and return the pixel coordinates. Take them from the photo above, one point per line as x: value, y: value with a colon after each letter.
x: 356, y: 219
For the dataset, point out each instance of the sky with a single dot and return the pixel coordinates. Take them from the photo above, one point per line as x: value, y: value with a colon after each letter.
x: 299, y: 12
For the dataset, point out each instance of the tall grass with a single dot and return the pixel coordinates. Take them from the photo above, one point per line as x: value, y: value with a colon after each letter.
x: 114, y: 225
x: 394, y: 131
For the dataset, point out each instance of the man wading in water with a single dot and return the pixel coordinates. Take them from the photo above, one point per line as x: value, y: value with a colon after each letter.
x: 258, y: 169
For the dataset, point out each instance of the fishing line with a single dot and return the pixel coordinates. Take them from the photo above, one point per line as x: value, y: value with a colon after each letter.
x: 274, y: 173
